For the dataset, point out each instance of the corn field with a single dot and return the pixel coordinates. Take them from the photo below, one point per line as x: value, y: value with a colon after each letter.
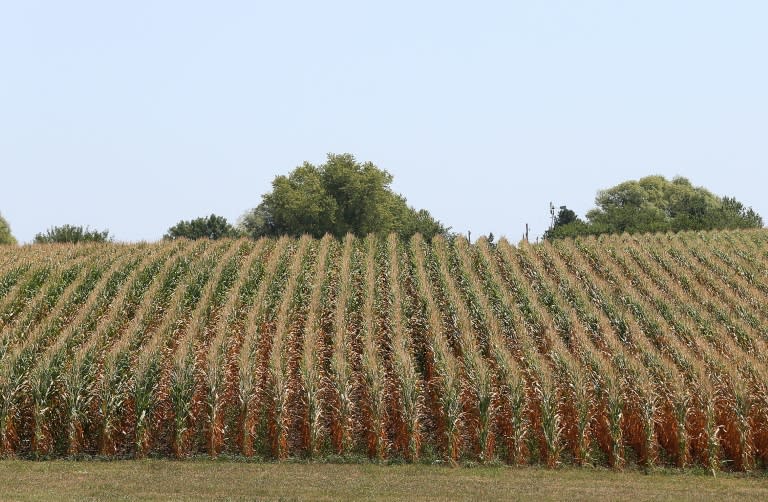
x: 620, y: 350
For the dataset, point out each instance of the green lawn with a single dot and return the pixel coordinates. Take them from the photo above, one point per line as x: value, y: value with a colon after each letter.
x: 227, y: 480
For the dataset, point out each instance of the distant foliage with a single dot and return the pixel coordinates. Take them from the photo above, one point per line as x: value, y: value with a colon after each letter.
x: 213, y: 227
x: 72, y: 234
x: 655, y: 204
x: 567, y: 224
x: 5, y: 232
x: 339, y: 197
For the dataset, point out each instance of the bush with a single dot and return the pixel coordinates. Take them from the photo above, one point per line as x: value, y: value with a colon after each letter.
x: 213, y: 227
x: 72, y: 234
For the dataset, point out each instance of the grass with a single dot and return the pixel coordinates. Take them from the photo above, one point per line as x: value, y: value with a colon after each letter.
x: 227, y: 480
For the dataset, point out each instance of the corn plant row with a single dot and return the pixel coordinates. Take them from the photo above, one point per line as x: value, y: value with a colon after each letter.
x: 248, y: 351
x: 616, y: 350
x: 731, y: 407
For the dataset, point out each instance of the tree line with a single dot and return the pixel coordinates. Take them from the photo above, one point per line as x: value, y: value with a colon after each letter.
x: 344, y: 196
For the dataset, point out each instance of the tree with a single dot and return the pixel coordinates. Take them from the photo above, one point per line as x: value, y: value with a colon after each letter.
x: 655, y: 204
x: 565, y: 216
x: 566, y: 224
x: 257, y: 222
x: 733, y: 214
x: 339, y: 197
x: 72, y: 234
x: 5, y: 232
x: 213, y: 227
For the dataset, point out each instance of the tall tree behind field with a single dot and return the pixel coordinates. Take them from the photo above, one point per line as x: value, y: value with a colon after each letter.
x: 339, y: 197
x: 5, y: 232
x: 655, y: 204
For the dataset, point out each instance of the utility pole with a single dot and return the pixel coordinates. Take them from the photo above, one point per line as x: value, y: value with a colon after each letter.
x: 469, y: 236
x: 526, y: 232
x: 552, y: 214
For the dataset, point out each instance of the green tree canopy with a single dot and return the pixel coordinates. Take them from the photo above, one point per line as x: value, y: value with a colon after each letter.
x: 72, y: 234
x: 5, y: 232
x: 565, y: 216
x: 213, y: 227
x: 566, y: 224
x: 655, y: 204
x: 339, y: 197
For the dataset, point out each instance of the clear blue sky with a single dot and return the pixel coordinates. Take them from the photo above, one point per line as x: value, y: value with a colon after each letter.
x: 134, y: 115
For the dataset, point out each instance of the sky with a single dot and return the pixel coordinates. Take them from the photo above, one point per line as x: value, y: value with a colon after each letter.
x: 132, y: 116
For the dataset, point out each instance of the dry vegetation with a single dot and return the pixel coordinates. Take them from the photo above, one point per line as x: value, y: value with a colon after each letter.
x: 153, y: 479
x: 621, y: 350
